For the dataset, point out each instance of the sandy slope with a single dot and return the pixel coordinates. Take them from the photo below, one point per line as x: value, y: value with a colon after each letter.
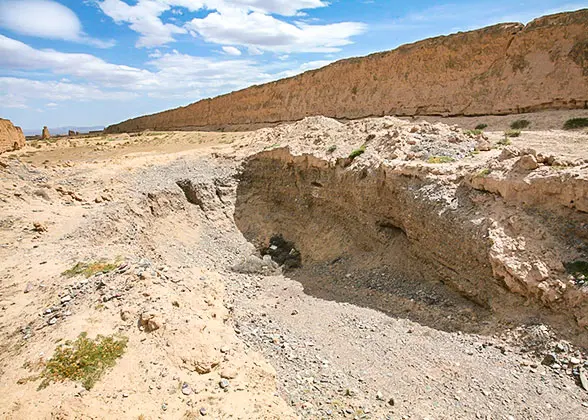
x: 117, y: 197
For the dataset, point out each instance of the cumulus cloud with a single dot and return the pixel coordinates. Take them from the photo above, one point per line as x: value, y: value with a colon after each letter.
x: 172, y: 75
x: 265, y: 32
x: 232, y: 50
x: 44, y: 19
x: 143, y: 18
x: 248, y: 23
x: 18, y: 90
x: 280, y: 7
x: 20, y: 56
x: 84, y: 77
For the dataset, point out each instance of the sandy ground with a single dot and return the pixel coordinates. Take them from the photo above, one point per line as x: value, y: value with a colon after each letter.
x: 279, y: 352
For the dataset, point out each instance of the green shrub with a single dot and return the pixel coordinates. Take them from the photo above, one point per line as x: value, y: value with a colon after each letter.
x: 484, y: 173
x: 512, y: 133
x: 473, y: 133
x: 83, y: 360
x: 357, y: 152
x: 481, y: 126
x: 440, y: 159
x: 331, y: 149
x: 574, y: 123
x: 88, y: 269
x: 520, y: 124
x: 505, y: 141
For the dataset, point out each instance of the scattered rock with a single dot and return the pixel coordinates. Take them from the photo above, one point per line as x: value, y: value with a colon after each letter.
x: 125, y: 315
x: 205, y: 367
x: 224, y: 384
x: 149, y: 321
x: 39, y: 227
x: 509, y: 152
x: 186, y: 390
x: 228, y: 373
x: 526, y: 163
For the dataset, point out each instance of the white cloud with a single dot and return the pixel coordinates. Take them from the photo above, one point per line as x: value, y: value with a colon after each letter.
x: 84, y: 77
x: 17, y: 55
x: 265, y: 32
x: 144, y: 19
x: 18, y: 90
x: 249, y: 23
x: 254, y: 51
x: 232, y: 50
x: 280, y: 7
x: 44, y: 19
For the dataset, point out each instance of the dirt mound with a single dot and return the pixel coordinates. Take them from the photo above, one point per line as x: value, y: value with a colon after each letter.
x: 380, y: 139
x: 502, y: 69
x: 11, y: 137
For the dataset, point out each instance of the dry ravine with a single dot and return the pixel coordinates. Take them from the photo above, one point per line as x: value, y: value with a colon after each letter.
x: 378, y: 269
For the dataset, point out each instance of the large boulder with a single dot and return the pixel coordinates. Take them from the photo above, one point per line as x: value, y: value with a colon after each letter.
x: 11, y: 137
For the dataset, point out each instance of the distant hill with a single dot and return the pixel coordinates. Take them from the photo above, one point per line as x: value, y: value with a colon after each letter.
x: 60, y: 130
x: 502, y: 69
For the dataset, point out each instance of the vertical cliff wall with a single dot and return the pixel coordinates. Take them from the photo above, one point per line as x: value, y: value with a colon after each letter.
x: 501, y: 69
x: 11, y: 137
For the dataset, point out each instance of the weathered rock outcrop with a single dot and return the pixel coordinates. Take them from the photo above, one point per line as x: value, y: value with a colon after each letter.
x: 501, y: 69
x: 45, y: 135
x: 11, y: 137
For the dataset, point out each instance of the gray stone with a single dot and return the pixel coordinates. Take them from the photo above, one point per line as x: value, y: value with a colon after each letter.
x: 186, y: 390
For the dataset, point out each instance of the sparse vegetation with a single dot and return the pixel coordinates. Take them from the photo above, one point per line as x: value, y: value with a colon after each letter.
x: 574, y: 123
x: 473, y: 133
x: 354, y: 90
x: 520, y: 124
x: 357, y: 152
x: 88, y: 269
x: 512, y: 133
x: 331, y: 149
x: 484, y: 173
x: 83, y: 360
x: 481, y: 126
x: 440, y: 159
x: 505, y: 141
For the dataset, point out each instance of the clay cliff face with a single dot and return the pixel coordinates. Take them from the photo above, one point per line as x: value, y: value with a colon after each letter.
x: 11, y: 137
x: 501, y: 69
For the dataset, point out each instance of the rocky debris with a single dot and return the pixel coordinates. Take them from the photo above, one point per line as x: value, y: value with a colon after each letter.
x: 228, y: 373
x: 11, y: 137
x: 45, y: 135
x: 149, y: 321
x: 526, y: 163
x: 509, y: 152
x: 252, y: 264
x: 205, y: 366
x: 39, y: 227
x: 388, y: 139
x: 70, y: 193
x: 186, y: 390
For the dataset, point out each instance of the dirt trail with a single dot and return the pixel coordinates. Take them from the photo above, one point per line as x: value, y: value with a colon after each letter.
x: 236, y: 337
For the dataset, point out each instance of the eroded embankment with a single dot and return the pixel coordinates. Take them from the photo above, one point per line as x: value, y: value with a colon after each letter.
x: 409, y: 242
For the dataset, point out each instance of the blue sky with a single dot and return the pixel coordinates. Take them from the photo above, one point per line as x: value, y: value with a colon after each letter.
x: 98, y: 62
